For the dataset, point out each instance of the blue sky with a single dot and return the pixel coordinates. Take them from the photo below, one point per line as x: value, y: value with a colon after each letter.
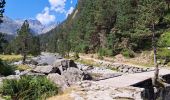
x: 46, y: 11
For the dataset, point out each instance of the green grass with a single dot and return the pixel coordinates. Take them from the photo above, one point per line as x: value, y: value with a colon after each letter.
x: 29, y: 88
x: 23, y: 67
x: 88, y: 62
x: 11, y: 58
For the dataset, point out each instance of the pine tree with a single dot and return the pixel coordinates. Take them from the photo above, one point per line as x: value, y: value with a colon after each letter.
x: 24, y: 40
x: 2, y: 40
x: 2, y: 5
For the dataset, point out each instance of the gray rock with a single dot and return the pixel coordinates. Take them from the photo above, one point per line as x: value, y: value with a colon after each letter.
x: 46, y: 69
x: 15, y: 77
x: 135, y: 70
x: 73, y: 75
x: 64, y: 64
x: 125, y: 70
x: 28, y: 72
x: 130, y: 70
x: 17, y: 72
x: 46, y: 58
x: 33, y: 62
x: 58, y: 80
x: 17, y: 63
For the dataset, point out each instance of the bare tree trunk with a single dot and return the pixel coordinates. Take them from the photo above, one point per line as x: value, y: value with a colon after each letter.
x: 24, y: 58
x: 156, y: 76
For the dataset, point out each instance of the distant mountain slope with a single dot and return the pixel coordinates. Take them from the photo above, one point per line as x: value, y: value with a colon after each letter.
x: 10, y: 26
x: 109, y: 27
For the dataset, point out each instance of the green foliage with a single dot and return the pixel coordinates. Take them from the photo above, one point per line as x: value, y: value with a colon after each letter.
x: 164, y: 54
x: 24, y: 43
x: 2, y: 3
x: 112, y: 24
x: 128, y: 53
x: 29, y: 88
x: 105, y: 52
x: 6, y: 69
x: 164, y: 40
x: 76, y: 56
x: 2, y: 42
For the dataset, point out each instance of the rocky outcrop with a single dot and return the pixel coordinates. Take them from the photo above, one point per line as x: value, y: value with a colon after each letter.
x: 88, y: 90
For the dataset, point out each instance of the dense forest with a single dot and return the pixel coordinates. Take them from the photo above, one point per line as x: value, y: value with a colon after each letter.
x: 109, y: 27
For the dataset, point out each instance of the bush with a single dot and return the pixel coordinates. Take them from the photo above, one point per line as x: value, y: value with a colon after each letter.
x: 128, y: 53
x: 6, y: 69
x: 105, y: 52
x: 163, y: 54
x: 76, y: 56
x: 164, y: 40
x: 29, y: 88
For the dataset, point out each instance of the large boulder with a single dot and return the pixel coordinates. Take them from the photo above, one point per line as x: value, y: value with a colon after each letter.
x: 64, y: 64
x: 73, y: 75
x: 58, y: 80
x: 46, y: 69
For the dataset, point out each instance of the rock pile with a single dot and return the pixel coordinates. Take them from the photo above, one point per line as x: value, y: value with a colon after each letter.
x: 129, y: 68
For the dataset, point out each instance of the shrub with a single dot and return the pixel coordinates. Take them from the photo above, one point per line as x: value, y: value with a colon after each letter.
x: 128, y: 53
x: 6, y: 69
x: 164, y: 40
x: 29, y: 88
x: 163, y: 54
x: 105, y: 52
x: 76, y: 56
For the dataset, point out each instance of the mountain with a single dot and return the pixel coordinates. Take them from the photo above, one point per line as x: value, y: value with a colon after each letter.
x: 10, y: 26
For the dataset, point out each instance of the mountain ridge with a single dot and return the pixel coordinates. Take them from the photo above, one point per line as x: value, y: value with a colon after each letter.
x: 10, y: 26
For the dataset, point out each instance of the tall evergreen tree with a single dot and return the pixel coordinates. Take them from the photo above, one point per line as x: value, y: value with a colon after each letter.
x: 23, y: 40
x: 152, y: 11
x: 2, y: 5
x: 2, y: 40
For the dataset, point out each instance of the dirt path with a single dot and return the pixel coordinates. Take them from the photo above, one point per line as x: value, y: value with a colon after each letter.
x: 108, y: 61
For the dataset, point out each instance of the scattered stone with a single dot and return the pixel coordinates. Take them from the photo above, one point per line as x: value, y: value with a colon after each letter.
x: 17, y: 63
x: 17, y: 72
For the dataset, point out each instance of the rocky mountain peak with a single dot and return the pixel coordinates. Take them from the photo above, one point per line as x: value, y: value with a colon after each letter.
x: 10, y: 26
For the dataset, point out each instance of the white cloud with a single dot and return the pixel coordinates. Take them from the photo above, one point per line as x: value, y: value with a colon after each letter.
x: 45, y: 17
x: 71, y: 1
x: 58, y: 5
x: 69, y: 11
